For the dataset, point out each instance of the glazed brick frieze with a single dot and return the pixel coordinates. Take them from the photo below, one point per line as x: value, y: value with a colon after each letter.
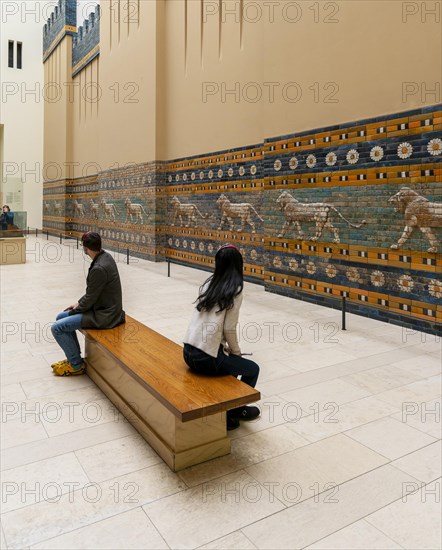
x: 353, y: 210
x: 336, y: 207
x: 123, y: 205
x: 370, y: 216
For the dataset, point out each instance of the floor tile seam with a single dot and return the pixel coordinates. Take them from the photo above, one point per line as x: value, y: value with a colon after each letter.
x: 156, y: 528
x: 81, y: 527
x: 325, y: 404
x: 344, y: 432
x: 68, y: 403
x: 82, y: 467
x: 288, y: 424
x: 51, y: 437
x: 80, y: 489
x: 168, y: 496
x: 73, y: 389
x: 43, y: 500
x: 239, y: 530
x: 415, y: 451
x: 386, y: 457
x: 421, y: 400
x: 405, y: 368
x: 46, y: 431
x: 373, y: 394
x: 127, y: 473
x: 33, y: 380
x: 316, y: 495
x: 350, y: 524
x: 341, y: 376
x: 245, y: 466
x: 367, y: 518
x: 273, y: 495
x: 414, y: 427
x: 58, y: 454
x: 388, y: 415
x: 38, y: 378
x: 33, y: 441
x: 3, y: 533
x: 373, y: 368
x: 409, y: 384
x: 244, y: 535
x: 105, y: 399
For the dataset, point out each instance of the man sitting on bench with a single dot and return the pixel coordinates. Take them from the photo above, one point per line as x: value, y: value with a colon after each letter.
x: 100, y: 307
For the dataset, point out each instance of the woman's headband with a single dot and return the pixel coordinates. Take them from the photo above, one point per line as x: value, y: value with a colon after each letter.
x: 228, y: 246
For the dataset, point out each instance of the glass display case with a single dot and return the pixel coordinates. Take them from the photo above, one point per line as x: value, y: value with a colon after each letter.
x: 12, y: 237
x: 12, y: 223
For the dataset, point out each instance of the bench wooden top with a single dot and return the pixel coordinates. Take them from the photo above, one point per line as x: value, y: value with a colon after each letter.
x: 157, y: 364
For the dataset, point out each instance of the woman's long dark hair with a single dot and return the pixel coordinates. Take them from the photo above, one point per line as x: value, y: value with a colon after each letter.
x: 227, y: 281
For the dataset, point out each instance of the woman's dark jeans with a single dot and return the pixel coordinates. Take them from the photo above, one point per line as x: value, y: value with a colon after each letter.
x: 202, y: 363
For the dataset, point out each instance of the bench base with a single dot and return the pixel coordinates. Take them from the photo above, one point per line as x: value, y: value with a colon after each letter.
x: 180, y: 444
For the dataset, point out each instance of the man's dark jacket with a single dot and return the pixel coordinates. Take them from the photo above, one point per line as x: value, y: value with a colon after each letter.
x: 102, y: 305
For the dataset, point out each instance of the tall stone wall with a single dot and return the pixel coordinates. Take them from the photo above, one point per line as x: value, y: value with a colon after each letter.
x: 351, y: 210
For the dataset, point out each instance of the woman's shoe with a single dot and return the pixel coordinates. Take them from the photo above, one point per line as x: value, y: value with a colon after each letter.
x: 232, y: 423
x: 245, y: 413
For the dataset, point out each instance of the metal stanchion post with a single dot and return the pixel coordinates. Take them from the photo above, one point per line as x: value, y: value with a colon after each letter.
x: 61, y: 238
x: 36, y: 232
x: 47, y: 234
x: 343, y: 312
x: 127, y: 252
x: 77, y: 243
x: 168, y: 267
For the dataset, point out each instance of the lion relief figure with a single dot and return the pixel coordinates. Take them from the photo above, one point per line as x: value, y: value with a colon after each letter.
x: 134, y: 211
x: 317, y: 212
x: 94, y: 207
x: 78, y: 209
x: 189, y: 211
x: 109, y: 210
x: 418, y: 212
x: 231, y: 211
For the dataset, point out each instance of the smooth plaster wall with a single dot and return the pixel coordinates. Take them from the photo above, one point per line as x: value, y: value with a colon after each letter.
x: 365, y: 57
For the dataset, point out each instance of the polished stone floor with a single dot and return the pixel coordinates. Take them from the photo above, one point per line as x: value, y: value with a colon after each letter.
x: 346, y: 454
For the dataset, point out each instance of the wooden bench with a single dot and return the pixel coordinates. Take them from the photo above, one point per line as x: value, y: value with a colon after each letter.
x: 179, y: 413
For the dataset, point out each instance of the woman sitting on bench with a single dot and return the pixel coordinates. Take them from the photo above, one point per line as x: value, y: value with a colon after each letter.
x: 211, y: 343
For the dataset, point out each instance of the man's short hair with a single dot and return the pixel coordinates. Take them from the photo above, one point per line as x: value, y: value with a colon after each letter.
x: 92, y: 241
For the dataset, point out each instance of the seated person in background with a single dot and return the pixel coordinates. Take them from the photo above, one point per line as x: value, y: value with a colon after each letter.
x: 7, y: 217
x: 211, y: 343
x: 100, y: 307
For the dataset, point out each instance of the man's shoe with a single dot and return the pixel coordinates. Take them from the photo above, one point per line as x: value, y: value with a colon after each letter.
x: 68, y: 370
x: 232, y: 423
x: 245, y: 413
x: 62, y: 363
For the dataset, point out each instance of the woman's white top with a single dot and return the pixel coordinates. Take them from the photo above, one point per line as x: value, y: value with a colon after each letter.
x: 208, y: 329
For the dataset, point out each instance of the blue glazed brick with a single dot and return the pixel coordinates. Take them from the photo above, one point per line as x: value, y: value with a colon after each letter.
x: 64, y: 14
x: 87, y: 38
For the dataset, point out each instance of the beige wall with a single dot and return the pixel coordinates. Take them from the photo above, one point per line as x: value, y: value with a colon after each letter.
x: 57, y: 151
x: 108, y: 117
x: 85, y: 121
x: 365, y: 56
x: 128, y: 66
x: 349, y: 60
